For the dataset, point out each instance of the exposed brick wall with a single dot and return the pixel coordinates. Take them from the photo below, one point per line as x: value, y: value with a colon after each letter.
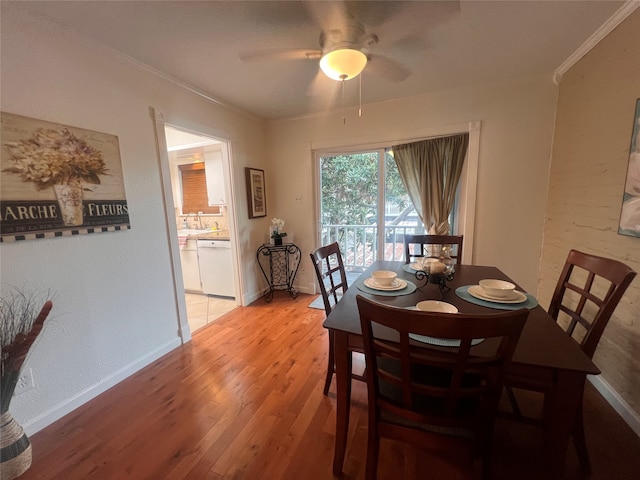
x: 595, y: 115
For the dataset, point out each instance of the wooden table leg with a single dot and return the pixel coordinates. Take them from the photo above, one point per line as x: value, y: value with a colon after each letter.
x: 560, y: 410
x: 343, y: 398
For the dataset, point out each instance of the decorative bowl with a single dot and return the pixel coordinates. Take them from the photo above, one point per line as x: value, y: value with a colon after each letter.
x: 497, y: 288
x: 384, y: 278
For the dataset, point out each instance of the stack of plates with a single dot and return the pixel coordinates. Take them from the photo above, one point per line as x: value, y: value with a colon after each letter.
x: 398, y: 284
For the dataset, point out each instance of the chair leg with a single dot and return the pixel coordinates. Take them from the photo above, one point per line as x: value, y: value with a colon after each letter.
x: 580, y: 442
x: 331, y: 366
x: 373, y: 450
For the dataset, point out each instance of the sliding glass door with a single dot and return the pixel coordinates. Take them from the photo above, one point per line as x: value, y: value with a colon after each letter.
x: 364, y: 207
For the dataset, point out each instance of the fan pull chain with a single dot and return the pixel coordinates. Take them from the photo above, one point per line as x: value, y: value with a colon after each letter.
x: 344, y: 118
x: 360, y: 97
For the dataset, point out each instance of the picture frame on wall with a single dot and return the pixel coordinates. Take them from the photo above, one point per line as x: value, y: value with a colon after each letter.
x: 630, y: 213
x: 256, y: 192
x: 58, y: 180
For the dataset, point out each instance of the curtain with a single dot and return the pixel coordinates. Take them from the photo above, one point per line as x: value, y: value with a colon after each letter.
x: 430, y: 170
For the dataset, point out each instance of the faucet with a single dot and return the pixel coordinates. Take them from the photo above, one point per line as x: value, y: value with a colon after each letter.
x: 217, y: 226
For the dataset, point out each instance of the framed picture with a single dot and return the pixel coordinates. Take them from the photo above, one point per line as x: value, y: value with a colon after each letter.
x: 58, y: 180
x: 630, y: 214
x: 256, y: 197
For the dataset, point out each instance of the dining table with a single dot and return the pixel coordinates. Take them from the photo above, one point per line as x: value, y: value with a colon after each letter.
x: 545, y: 354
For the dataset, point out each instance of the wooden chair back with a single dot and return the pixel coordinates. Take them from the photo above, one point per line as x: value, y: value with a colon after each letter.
x: 588, y: 291
x: 416, y: 391
x: 414, y: 246
x: 329, y: 268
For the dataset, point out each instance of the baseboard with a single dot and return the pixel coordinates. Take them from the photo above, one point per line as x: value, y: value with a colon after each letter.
x: 55, y: 413
x: 617, y: 402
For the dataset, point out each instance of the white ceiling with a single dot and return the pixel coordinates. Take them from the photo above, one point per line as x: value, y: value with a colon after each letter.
x: 443, y: 44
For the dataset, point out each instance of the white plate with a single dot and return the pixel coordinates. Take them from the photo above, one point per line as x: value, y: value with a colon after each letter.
x: 478, y: 292
x: 442, y: 342
x: 398, y: 284
x: 436, y: 306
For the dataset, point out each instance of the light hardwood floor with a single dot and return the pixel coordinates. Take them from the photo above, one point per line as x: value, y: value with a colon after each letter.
x: 244, y: 400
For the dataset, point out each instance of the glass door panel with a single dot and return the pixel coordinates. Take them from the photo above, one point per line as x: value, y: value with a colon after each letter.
x: 349, y: 199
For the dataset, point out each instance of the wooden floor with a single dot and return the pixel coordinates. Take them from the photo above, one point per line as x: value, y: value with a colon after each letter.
x: 244, y: 400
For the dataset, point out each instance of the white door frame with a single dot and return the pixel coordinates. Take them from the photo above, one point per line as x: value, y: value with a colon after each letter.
x: 160, y: 122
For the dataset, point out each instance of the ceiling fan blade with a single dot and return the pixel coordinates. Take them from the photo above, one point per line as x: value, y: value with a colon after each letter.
x: 387, y: 68
x: 280, y: 54
x: 322, y: 92
x: 320, y: 85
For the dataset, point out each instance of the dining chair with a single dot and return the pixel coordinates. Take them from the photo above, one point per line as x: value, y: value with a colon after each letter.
x: 414, y: 246
x: 586, y: 295
x: 437, y: 397
x: 332, y: 278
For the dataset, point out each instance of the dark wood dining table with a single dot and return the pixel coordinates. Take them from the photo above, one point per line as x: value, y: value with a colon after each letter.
x: 545, y: 354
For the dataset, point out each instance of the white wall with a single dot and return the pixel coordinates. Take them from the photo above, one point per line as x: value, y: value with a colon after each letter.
x: 515, y: 144
x: 114, y: 303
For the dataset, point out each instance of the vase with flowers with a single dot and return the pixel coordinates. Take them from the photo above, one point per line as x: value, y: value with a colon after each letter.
x: 20, y: 325
x: 276, y: 231
x: 58, y: 159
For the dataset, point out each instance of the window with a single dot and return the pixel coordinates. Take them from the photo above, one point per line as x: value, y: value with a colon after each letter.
x: 358, y: 192
x: 358, y: 246
x: 194, y: 189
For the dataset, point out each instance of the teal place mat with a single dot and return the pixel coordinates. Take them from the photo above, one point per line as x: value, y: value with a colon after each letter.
x: 529, y: 303
x: 410, y: 288
x: 408, y: 269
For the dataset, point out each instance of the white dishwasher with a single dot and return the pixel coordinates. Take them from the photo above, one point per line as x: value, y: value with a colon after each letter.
x: 216, y: 269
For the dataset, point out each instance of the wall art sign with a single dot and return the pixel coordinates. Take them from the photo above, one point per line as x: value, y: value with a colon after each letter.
x: 630, y: 214
x: 57, y: 180
x: 256, y: 197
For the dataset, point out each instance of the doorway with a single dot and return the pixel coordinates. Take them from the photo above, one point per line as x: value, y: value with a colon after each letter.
x: 199, y: 177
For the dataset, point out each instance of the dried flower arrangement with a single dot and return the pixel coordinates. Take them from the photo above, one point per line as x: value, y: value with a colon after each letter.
x: 22, y: 315
x: 20, y: 325
x: 55, y: 157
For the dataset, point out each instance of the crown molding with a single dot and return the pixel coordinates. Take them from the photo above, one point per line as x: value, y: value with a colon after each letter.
x: 616, y: 19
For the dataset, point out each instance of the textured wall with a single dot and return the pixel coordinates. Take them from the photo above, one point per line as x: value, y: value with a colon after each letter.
x: 596, y: 106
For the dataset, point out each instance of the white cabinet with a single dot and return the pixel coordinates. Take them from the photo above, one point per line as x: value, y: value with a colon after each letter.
x: 190, y: 267
x: 215, y: 175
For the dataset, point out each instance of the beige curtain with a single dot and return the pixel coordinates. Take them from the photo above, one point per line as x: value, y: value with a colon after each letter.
x: 430, y: 171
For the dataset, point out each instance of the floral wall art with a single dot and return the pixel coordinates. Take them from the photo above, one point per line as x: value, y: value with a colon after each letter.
x: 630, y: 214
x: 58, y: 180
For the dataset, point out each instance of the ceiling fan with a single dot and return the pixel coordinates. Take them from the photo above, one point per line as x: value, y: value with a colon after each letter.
x: 345, y: 51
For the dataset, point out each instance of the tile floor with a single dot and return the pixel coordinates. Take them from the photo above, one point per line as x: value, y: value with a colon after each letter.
x: 204, y: 309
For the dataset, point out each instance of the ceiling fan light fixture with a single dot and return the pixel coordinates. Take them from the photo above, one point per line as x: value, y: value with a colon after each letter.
x: 343, y: 64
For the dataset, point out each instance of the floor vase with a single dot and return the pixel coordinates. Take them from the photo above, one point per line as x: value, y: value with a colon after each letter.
x: 15, y: 448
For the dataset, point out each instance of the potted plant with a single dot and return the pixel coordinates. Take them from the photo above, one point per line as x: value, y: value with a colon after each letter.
x: 58, y: 159
x: 20, y: 325
x: 277, y: 235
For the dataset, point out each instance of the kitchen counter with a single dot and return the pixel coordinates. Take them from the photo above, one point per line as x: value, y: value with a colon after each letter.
x: 205, y: 234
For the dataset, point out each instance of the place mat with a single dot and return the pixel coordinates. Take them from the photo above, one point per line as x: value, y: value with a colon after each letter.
x: 410, y: 288
x: 529, y: 303
x: 442, y: 342
x: 407, y: 268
